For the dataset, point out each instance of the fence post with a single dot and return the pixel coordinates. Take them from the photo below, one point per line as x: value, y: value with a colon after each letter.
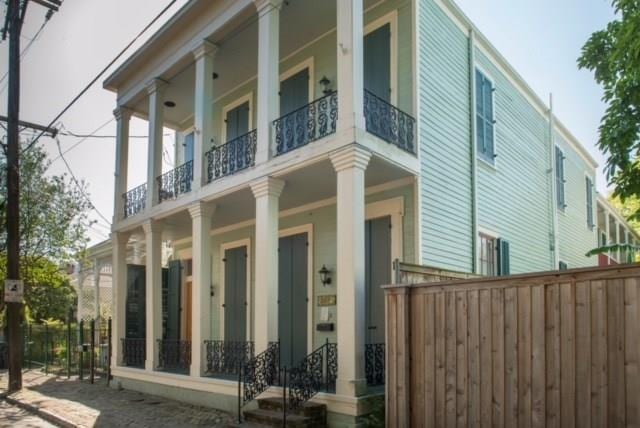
x: 29, y: 331
x: 46, y: 348
x: 109, y: 351
x: 69, y: 315
x: 92, y: 350
x: 80, y: 347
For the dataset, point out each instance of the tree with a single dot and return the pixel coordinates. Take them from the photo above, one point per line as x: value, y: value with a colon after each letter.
x: 53, y: 223
x: 613, y: 55
x: 628, y: 208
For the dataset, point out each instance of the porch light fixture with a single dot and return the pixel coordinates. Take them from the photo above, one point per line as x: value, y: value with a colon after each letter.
x: 325, y: 82
x: 325, y: 277
x: 169, y: 104
x: 214, y: 75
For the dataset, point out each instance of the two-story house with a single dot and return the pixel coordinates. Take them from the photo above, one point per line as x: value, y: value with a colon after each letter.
x: 318, y: 141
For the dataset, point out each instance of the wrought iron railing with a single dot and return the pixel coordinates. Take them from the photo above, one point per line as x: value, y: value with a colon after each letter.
x: 227, y: 358
x: 316, y: 373
x: 175, y: 182
x: 389, y: 122
x: 306, y: 124
x: 135, y: 200
x: 233, y: 156
x: 374, y: 363
x: 133, y: 352
x: 174, y: 355
x: 260, y: 372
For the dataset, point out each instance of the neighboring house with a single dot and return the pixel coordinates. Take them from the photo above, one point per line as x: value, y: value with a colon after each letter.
x: 613, y: 229
x: 294, y: 189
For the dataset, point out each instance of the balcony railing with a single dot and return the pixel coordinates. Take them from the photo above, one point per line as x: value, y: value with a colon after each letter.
x: 224, y: 358
x: 374, y: 363
x: 389, y: 122
x: 135, y: 200
x: 175, y: 182
x: 231, y: 157
x: 174, y: 355
x: 133, y: 352
x: 309, y: 123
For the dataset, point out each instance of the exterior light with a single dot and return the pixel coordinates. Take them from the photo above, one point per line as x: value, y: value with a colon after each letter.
x: 325, y: 82
x: 325, y: 277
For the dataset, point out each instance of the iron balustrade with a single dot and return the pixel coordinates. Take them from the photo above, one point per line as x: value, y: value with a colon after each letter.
x: 227, y: 357
x: 259, y: 373
x: 133, y: 352
x: 174, y: 355
x: 233, y: 156
x: 317, y: 372
x: 175, y: 182
x: 306, y: 124
x: 389, y: 122
x: 374, y: 363
x: 135, y: 200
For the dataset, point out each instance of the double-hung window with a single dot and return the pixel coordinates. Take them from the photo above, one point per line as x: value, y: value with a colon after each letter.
x: 494, y: 256
x: 560, y: 180
x: 484, y: 117
x: 589, y: 190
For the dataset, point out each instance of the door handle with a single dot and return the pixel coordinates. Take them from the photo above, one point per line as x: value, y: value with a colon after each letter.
x: 372, y: 327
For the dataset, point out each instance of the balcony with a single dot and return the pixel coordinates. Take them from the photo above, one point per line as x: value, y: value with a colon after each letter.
x: 175, y: 182
x: 135, y: 200
x: 231, y: 157
x: 389, y: 123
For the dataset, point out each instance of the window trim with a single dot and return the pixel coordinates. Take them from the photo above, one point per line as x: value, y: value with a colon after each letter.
x: 248, y: 97
x: 492, y: 162
x: 495, y: 237
x: 390, y: 18
x: 594, y: 214
x: 564, y: 178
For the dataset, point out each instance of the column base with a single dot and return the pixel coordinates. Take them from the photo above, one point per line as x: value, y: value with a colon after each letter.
x: 351, y: 387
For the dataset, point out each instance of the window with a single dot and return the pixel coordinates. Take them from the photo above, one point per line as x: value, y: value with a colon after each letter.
x: 494, y: 256
x: 484, y: 117
x: 589, y: 189
x: 560, y: 197
x: 562, y: 266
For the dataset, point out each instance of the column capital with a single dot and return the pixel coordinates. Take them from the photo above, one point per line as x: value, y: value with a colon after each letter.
x: 264, y: 6
x: 201, y: 209
x: 204, y: 48
x: 267, y: 186
x: 351, y: 157
x: 122, y: 112
x: 152, y: 226
x: 156, y: 85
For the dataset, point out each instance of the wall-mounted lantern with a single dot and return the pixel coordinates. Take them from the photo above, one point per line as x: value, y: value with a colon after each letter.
x: 325, y: 82
x: 325, y: 276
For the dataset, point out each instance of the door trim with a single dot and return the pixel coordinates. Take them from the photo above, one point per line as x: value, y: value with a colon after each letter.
x: 390, y: 18
x: 227, y: 108
x: 308, y: 229
x: 394, y: 208
x: 229, y: 246
x: 307, y: 63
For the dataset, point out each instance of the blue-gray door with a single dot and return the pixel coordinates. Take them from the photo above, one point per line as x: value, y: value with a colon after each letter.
x: 292, y: 298
x: 294, y: 92
x: 377, y: 273
x: 294, y: 95
x: 377, y: 62
x: 172, y: 300
x: 235, y: 294
x: 237, y: 121
x: 135, y: 321
x: 188, y: 147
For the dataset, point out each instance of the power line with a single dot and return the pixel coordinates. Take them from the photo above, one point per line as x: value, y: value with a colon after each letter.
x: 104, y: 70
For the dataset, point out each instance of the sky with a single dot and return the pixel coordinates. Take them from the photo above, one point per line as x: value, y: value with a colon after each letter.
x: 540, y: 38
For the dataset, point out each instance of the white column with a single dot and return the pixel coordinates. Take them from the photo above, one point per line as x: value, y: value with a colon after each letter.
x: 119, y: 284
x: 203, y: 110
x: 96, y: 284
x: 267, y: 192
x: 607, y: 228
x: 268, y: 73
x: 153, y: 290
x: 350, y: 35
x: 350, y: 165
x: 155, y: 89
x: 123, y: 116
x: 201, y: 215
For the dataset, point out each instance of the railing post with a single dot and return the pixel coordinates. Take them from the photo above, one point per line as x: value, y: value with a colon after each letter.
x: 284, y: 397
x: 109, y: 351
x: 46, y: 348
x: 239, y: 392
x: 30, y: 334
x: 80, y: 347
x: 326, y: 365
x: 92, y: 350
x: 69, y: 315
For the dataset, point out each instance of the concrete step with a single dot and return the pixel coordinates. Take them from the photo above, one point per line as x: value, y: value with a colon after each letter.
x: 308, y: 409
x: 273, y: 418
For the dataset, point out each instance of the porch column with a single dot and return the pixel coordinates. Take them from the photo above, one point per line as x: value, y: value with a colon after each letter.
x: 201, y: 215
x: 123, y: 116
x: 155, y: 89
x: 268, y: 73
x: 267, y: 192
x: 203, y: 110
x: 153, y: 290
x: 607, y: 233
x: 350, y: 49
x: 119, y: 284
x: 350, y: 165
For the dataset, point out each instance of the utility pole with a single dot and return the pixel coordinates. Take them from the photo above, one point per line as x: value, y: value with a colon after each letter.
x: 16, y: 10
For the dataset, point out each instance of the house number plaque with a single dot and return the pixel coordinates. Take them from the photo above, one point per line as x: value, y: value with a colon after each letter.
x: 327, y: 300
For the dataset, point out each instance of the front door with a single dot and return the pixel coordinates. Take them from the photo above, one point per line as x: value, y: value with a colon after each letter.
x: 235, y: 294
x: 377, y: 273
x: 377, y: 62
x: 292, y: 299
x: 135, y: 321
x: 237, y: 121
x: 172, y: 301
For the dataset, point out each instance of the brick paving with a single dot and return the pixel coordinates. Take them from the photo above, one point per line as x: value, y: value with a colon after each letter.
x: 84, y: 405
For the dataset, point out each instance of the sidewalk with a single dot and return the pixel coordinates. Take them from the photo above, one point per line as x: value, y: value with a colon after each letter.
x: 79, y: 404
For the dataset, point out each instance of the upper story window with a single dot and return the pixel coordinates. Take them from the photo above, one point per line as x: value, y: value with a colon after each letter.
x: 484, y: 117
x: 188, y: 147
x: 494, y: 256
x: 589, y: 190
x: 560, y: 180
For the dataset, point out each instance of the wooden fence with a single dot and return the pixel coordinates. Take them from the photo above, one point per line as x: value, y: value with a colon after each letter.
x: 535, y: 350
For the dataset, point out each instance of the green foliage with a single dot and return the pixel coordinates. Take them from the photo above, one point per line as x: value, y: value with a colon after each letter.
x: 613, y: 55
x: 628, y: 208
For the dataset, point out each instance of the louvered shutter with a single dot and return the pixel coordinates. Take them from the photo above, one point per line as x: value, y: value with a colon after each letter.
x: 504, y: 262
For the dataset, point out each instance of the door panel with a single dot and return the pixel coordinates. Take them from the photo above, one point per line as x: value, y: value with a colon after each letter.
x: 292, y: 299
x: 135, y: 320
x: 377, y: 273
x: 188, y: 147
x: 237, y: 121
x: 294, y: 92
x: 377, y: 62
x: 235, y: 294
x: 173, y: 300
